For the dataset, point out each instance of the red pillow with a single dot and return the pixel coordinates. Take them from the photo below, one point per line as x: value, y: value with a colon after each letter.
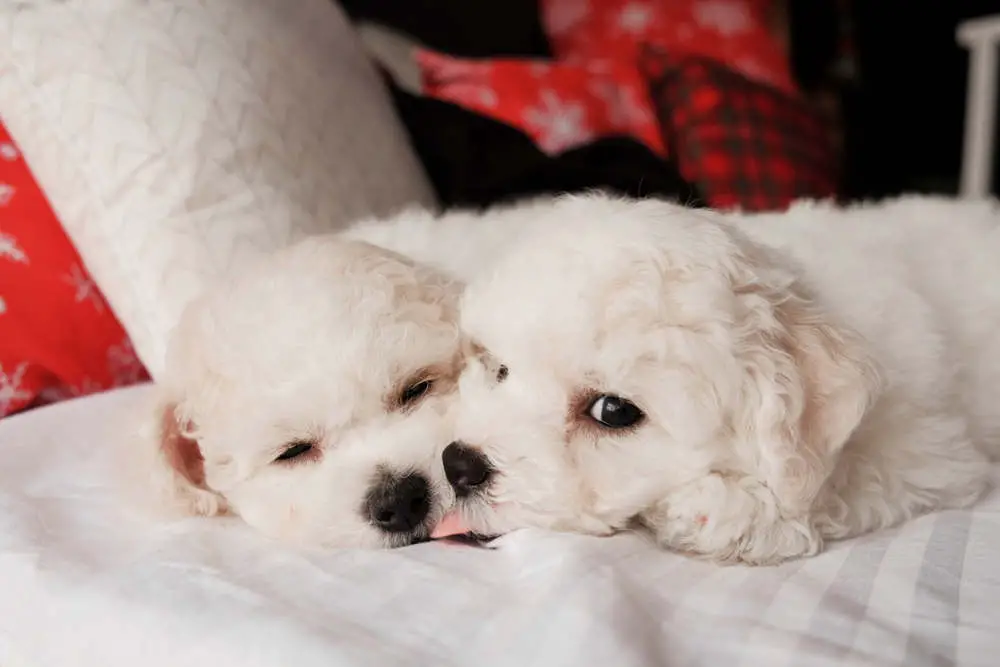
x: 742, y: 144
x: 732, y: 32
x: 58, y: 337
x: 559, y: 105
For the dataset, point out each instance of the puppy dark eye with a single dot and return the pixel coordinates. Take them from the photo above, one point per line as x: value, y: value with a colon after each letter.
x: 294, y: 450
x: 502, y: 373
x: 614, y: 412
x: 415, y: 391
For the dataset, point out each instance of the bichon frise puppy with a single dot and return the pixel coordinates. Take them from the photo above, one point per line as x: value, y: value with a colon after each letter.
x: 744, y: 387
x: 308, y: 394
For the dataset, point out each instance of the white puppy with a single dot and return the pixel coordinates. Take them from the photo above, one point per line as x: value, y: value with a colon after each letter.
x: 742, y: 387
x: 309, y: 391
x: 308, y: 394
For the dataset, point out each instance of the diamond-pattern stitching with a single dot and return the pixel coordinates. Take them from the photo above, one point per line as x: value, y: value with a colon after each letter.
x: 173, y: 137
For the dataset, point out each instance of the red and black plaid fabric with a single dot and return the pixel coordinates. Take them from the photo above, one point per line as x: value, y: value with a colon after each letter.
x: 743, y: 144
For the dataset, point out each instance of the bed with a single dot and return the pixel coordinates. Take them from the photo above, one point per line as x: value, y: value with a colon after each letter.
x: 85, y: 580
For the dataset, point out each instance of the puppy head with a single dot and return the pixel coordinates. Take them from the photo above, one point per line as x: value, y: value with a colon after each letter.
x: 641, y: 362
x: 309, y: 395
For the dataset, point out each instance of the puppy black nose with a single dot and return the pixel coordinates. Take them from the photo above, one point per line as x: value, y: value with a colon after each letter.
x: 399, y: 505
x: 465, y: 467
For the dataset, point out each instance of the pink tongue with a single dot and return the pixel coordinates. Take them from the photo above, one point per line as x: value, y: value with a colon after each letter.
x: 450, y: 524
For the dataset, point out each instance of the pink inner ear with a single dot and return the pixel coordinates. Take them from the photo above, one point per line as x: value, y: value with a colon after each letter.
x: 183, y: 453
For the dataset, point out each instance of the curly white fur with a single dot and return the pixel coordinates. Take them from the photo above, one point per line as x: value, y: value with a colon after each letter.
x: 316, y: 343
x: 804, y: 376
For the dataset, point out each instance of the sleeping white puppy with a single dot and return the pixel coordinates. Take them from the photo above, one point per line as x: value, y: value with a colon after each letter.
x: 308, y: 394
x: 744, y: 388
x: 309, y: 391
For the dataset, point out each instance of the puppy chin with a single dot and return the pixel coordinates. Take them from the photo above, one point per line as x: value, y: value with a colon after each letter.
x: 365, y: 539
x: 399, y: 540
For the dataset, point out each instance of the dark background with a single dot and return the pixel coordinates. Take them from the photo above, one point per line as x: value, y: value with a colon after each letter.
x: 902, y: 118
x: 904, y: 121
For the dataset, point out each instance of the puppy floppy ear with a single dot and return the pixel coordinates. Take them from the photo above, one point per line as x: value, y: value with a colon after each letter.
x: 172, y: 469
x: 808, y: 385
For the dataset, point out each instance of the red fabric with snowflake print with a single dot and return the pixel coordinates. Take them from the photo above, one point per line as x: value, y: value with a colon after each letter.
x: 559, y: 105
x: 58, y: 337
x: 732, y: 32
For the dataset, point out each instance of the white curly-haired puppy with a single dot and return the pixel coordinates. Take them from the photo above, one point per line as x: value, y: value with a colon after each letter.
x: 744, y: 387
x: 308, y: 391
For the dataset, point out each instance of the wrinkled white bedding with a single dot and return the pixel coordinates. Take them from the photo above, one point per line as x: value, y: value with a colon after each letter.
x: 85, y: 582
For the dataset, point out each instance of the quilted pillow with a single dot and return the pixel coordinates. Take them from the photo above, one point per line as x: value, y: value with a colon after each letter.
x: 58, y: 337
x: 176, y: 137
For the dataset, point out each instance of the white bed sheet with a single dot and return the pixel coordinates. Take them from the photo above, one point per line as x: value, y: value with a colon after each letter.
x: 85, y: 583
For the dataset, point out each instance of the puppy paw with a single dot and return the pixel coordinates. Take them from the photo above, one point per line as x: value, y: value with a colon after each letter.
x: 730, y: 520
x: 206, y: 503
x: 180, y: 499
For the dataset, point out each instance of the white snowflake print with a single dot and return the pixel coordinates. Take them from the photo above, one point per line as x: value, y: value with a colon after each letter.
x: 8, y: 151
x: 475, y: 93
x: 9, y: 249
x: 124, y: 365
x: 635, y: 17
x: 84, y: 288
x: 559, y: 125
x: 625, y: 110
x: 58, y: 393
x: 86, y: 388
x: 562, y: 16
x: 726, y: 17
x: 54, y: 395
x: 6, y: 193
x: 11, y: 389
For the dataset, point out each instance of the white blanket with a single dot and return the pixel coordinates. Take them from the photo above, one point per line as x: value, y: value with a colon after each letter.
x: 84, y: 582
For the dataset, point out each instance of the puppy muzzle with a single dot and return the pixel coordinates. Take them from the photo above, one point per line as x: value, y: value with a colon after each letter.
x: 466, y: 468
x: 400, y: 506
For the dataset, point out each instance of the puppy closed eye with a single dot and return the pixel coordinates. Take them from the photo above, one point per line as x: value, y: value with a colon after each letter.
x: 414, y: 392
x: 614, y: 412
x: 297, y: 450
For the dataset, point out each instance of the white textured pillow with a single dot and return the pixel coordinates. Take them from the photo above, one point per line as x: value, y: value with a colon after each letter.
x: 173, y: 137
